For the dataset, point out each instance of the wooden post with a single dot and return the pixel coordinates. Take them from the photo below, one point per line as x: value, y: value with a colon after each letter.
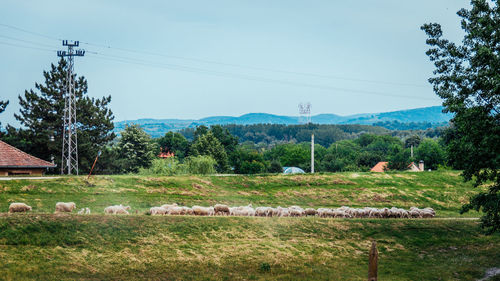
x: 373, y: 262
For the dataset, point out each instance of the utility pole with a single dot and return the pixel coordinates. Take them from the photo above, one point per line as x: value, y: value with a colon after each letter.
x: 69, y: 161
x: 312, y: 154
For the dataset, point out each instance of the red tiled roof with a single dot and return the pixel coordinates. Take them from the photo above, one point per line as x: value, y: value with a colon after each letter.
x: 11, y: 157
x: 380, y: 167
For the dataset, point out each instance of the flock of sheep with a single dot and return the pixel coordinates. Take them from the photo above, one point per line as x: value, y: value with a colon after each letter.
x: 293, y: 211
x: 249, y: 211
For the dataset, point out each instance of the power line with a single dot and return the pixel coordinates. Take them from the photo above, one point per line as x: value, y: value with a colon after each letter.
x: 212, y: 72
x: 222, y: 63
x: 255, y: 67
x: 241, y: 76
x: 30, y: 32
x: 25, y: 41
x: 26, y: 47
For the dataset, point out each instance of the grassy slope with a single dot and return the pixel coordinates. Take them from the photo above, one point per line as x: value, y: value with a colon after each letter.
x: 42, y: 246
x: 143, y: 247
x: 444, y: 191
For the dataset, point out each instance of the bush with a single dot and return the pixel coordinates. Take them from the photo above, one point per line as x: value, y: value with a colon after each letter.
x: 164, y: 167
x: 275, y: 167
x: 201, y: 165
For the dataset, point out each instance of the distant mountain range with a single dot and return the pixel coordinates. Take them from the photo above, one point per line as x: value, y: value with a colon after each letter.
x: 158, y: 127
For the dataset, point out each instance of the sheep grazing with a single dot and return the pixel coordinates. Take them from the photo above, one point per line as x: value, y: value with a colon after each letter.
x: 221, y: 210
x: 203, y: 211
x: 158, y: 211
x: 117, y: 209
x: 85, y: 211
x: 62, y: 207
x: 176, y: 211
x: 263, y: 211
x: 295, y: 211
x: 310, y: 212
x: 244, y: 211
x: 19, y: 208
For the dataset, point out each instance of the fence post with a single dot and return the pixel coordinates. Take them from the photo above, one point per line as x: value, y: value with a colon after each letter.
x: 373, y: 262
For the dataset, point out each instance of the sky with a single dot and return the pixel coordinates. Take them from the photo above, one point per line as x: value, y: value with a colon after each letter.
x: 193, y: 59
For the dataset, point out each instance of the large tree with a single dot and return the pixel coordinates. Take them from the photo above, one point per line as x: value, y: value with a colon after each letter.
x: 467, y: 78
x: 135, y: 149
x: 174, y: 142
x: 41, y: 116
x: 208, y: 144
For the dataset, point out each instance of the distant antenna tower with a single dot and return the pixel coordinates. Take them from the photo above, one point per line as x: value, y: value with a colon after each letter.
x: 305, y: 113
x: 70, y: 141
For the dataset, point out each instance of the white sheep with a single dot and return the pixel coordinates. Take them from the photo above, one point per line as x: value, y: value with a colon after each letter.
x: 158, y: 211
x: 87, y: 211
x: 117, y: 209
x: 62, y: 207
x: 295, y: 211
x: 82, y: 211
x: 203, y: 211
x: 19, y: 208
x: 176, y: 211
x: 263, y: 211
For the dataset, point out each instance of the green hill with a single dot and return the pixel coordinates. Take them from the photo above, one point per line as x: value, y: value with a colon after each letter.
x: 158, y: 127
x: 46, y: 246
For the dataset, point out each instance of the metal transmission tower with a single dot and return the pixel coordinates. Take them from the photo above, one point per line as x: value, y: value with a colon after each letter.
x: 305, y: 113
x: 70, y: 140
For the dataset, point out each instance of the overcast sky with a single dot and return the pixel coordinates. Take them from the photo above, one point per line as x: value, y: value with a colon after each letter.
x: 192, y: 59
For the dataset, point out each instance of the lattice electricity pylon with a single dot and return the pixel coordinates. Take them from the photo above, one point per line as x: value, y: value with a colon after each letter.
x: 305, y: 113
x: 69, y: 161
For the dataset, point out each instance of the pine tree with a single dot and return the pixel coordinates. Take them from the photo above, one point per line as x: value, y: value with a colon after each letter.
x: 41, y: 115
x: 3, y: 105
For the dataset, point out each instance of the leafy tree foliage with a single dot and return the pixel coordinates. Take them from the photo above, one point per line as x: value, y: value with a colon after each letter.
x: 41, y: 115
x: 224, y: 136
x: 175, y: 143
x: 200, y: 165
x: 431, y: 153
x: 400, y: 160
x: 467, y: 79
x: 209, y: 145
x: 135, y: 148
x: 248, y: 162
x: 275, y: 167
x: 412, y: 141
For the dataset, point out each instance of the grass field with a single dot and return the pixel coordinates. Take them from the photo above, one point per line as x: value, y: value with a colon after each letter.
x: 46, y: 246
x: 443, y: 191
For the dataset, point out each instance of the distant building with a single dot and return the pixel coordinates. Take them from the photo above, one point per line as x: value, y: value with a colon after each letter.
x: 380, y: 167
x: 16, y: 162
x: 414, y: 168
x: 165, y: 154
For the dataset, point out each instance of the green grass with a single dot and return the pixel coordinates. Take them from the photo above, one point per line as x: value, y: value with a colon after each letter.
x: 133, y: 247
x: 443, y: 191
x: 46, y: 246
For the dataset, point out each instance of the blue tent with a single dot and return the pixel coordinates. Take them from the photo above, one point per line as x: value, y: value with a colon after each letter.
x: 292, y: 170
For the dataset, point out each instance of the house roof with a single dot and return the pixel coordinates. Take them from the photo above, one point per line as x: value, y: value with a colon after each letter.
x: 11, y: 157
x: 380, y: 167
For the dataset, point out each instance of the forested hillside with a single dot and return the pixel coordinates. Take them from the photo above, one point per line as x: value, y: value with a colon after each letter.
x: 411, y: 119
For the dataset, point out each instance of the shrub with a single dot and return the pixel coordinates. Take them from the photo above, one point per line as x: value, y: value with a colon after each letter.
x: 201, y: 164
x: 164, y: 167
